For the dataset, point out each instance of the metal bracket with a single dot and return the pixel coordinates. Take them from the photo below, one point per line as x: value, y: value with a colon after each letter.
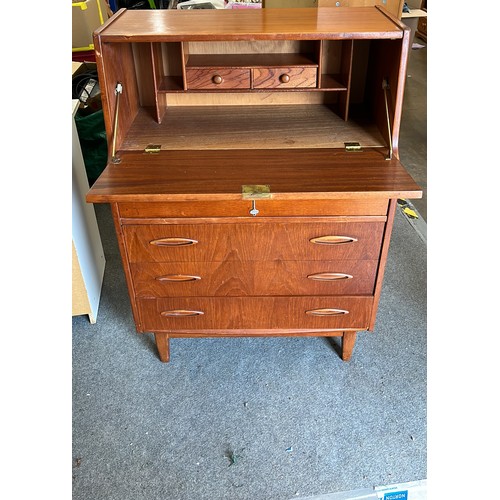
x: 118, y: 93
x: 352, y: 146
x: 386, y: 88
x: 152, y: 148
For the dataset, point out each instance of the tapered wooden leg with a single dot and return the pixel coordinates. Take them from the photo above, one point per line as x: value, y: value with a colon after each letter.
x: 348, y: 341
x: 163, y: 346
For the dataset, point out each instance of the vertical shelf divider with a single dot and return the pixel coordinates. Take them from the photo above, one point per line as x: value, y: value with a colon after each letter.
x: 184, y: 59
x: 345, y: 75
x: 157, y: 64
x: 319, y: 58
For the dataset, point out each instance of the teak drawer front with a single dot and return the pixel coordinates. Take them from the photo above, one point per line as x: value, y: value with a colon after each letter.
x: 272, y: 78
x: 221, y: 313
x: 217, y: 78
x: 267, y: 208
x: 188, y: 279
x: 215, y: 242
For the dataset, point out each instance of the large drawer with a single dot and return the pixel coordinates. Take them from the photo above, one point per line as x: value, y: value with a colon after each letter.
x: 216, y: 242
x: 248, y: 313
x: 348, y: 277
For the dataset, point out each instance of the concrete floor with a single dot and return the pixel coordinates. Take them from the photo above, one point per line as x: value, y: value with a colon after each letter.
x: 413, y: 133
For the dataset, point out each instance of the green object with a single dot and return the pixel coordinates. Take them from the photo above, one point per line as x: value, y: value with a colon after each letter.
x: 92, y: 135
x: 152, y: 4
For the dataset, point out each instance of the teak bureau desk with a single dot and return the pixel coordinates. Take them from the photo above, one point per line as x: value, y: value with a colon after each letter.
x: 253, y: 166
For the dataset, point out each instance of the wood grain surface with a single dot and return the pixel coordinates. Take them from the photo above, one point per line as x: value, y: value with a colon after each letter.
x: 275, y: 277
x: 248, y: 313
x: 220, y: 175
x: 245, y: 127
x: 251, y: 24
x: 145, y: 212
x: 253, y: 242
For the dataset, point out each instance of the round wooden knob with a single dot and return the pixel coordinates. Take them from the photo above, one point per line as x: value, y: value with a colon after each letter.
x: 284, y: 78
x: 217, y: 79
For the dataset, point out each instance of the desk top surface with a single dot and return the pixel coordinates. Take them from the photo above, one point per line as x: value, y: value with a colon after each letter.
x: 251, y: 24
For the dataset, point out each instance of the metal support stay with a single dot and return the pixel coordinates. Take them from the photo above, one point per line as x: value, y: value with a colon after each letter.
x: 118, y: 93
x: 386, y: 88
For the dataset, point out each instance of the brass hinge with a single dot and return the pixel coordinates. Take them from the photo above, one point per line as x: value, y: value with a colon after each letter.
x: 352, y: 146
x: 152, y: 148
x: 255, y: 191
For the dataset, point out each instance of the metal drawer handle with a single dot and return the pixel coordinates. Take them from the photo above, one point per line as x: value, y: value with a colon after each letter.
x: 284, y: 78
x: 176, y: 278
x: 332, y: 240
x: 173, y: 242
x: 326, y: 312
x: 329, y: 276
x: 181, y: 313
x: 217, y: 79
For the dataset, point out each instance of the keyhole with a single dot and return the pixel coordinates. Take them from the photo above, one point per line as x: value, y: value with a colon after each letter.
x: 254, y: 210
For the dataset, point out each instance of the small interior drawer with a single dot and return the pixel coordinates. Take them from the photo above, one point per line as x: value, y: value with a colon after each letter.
x: 292, y: 77
x: 217, y: 78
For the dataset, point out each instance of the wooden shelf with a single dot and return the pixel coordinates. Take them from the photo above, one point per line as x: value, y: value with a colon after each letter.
x: 249, y: 127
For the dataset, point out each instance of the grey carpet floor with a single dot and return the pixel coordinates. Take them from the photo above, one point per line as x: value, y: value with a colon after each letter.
x: 250, y: 418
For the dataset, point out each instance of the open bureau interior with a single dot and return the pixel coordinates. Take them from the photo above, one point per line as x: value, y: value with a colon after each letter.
x: 301, y: 92
x: 275, y: 130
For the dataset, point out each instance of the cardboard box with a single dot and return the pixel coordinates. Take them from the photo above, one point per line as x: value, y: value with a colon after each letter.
x: 414, y: 4
x: 87, y: 17
x: 415, y: 12
x: 411, y: 19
